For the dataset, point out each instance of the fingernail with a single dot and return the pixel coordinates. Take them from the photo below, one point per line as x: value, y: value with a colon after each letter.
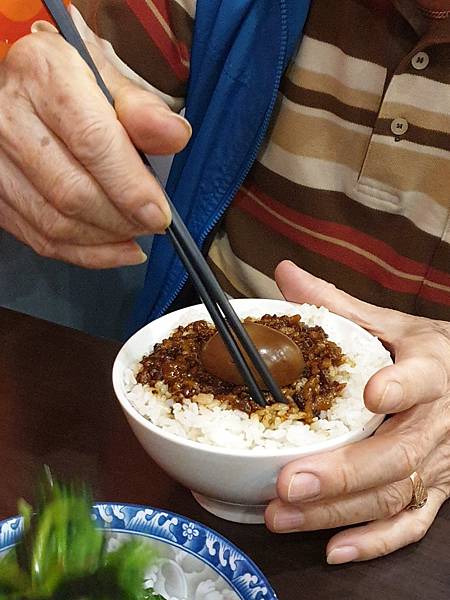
x: 392, y: 397
x: 45, y: 26
x: 185, y: 122
x: 303, y: 486
x: 153, y: 217
x: 136, y: 258
x: 143, y: 258
x: 169, y: 114
x: 287, y: 520
x: 345, y: 554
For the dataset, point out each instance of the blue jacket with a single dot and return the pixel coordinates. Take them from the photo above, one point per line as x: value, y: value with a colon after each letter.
x: 239, y: 52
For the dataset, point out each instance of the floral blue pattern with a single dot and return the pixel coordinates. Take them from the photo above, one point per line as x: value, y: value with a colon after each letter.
x: 190, y: 531
x: 210, y: 547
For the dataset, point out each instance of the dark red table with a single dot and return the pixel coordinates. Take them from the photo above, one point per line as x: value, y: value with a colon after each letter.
x: 57, y: 407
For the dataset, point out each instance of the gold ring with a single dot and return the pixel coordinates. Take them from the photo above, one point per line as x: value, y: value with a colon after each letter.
x: 419, y: 495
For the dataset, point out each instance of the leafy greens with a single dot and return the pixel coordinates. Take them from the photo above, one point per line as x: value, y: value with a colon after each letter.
x: 63, y: 556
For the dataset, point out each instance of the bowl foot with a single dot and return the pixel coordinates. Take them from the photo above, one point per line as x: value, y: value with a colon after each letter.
x: 251, y: 514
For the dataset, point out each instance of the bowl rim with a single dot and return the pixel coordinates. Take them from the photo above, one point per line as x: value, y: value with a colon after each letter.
x: 123, y: 517
x: 315, y: 448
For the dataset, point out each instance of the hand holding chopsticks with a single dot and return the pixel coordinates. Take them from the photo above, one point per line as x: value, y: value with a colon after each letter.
x: 215, y: 300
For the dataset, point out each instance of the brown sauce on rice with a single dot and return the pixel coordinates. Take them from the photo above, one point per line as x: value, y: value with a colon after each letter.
x: 176, y: 362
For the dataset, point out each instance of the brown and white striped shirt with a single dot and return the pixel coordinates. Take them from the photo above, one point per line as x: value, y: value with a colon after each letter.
x: 353, y: 181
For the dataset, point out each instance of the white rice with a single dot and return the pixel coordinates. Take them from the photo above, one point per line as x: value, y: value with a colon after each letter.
x: 218, y: 426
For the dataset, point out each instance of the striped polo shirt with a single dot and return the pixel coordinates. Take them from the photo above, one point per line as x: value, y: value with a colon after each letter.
x: 353, y: 180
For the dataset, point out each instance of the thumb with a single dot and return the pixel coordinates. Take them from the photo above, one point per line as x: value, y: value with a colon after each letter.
x: 150, y: 123
x: 419, y: 373
x: 300, y: 286
x: 418, y: 377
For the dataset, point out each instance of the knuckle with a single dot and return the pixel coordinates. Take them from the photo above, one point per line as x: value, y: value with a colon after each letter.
x: 445, y: 405
x: 9, y: 114
x: 30, y: 53
x: 331, y: 516
x: 442, y: 328
x: 391, y: 500
x: 382, y: 547
x: 130, y: 196
x: 418, y: 530
x: 409, y: 455
x: 23, y: 49
x: 42, y: 53
x: 54, y: 230
x: 442, y: 490
x: 45, y: 247
x: 94, y: 140
x: 70, y: 196
x: 441, y: 368
x: 348, y: 478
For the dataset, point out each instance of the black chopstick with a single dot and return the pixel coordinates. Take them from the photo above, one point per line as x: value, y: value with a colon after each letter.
x: 221, y: 325
x: 209, y: 290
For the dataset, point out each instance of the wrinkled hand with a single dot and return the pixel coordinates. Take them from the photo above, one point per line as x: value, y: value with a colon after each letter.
x: 72, y: 186
x: 368, y: 482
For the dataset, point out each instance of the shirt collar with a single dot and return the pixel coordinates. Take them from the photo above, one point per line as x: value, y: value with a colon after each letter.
x: 412, y: 13
x: 428, y: 30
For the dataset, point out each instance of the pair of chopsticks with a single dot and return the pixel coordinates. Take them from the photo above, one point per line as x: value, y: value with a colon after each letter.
x: 222, y: 313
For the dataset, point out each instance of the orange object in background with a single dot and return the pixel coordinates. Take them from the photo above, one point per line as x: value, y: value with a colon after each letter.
x: 16, y: 19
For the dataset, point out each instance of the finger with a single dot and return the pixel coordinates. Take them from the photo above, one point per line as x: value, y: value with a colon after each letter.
x: 436, y: 468
x: 300, y: 286
x: 400, y: 446
x: 51, y: 210
x: 418, y: 376
x: 150, y: 123
x: 81, y: 117
x: 103, y: 256
x: 385, y: 536
x: 368, y: 505
x: 148, y: 120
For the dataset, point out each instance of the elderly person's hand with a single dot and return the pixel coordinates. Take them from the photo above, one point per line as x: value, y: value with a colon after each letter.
x: 72, y: 185
x: 368, y: 482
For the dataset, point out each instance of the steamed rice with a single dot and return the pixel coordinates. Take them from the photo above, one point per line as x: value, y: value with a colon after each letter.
x: 205, y: 420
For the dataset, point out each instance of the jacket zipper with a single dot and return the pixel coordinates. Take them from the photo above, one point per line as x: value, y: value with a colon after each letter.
x: 254, y: 154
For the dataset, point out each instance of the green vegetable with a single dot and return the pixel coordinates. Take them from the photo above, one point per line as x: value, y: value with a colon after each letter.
x: 62, y: 556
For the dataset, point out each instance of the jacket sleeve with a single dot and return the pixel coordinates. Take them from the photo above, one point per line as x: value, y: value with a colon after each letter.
x: 148, y: 40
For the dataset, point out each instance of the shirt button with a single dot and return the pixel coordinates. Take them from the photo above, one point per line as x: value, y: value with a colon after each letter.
x: 399, y: 126
x: 420, y: 61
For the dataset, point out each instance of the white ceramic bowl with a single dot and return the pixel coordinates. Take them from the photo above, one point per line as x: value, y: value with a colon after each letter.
x: 232, y: 484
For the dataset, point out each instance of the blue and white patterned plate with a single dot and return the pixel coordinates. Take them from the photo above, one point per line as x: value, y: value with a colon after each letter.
x: 195, y: 563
